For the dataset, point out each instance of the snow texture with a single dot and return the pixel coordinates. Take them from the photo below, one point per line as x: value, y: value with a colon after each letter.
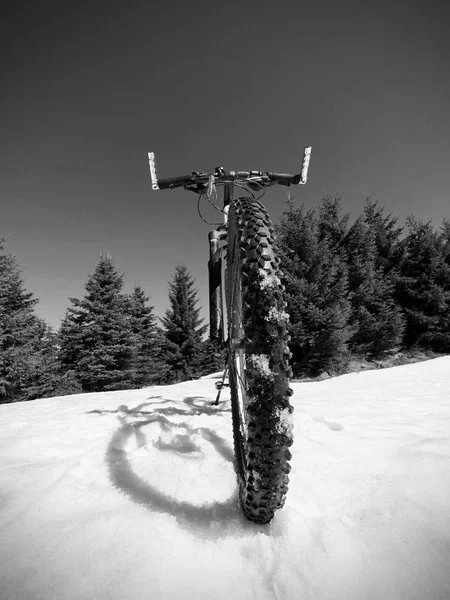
x: 132, y: 494
x: 268, y: 280
x: 260, y: 362
x: 277, y: 316
x: 286, y: 422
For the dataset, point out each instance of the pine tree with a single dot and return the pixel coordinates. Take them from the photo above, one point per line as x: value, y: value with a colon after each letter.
x: 445, y: 238
x: 214, y: 357
x: 445, y: 317
x: 331, y: 226
x: 47, y: 379
x: 423, y: 286
x: 376, y: 318
x: 386, y: 235
x: 18, y: 329
x: 27, y: 357
x: 315, y: 277
x: 184, y: 348
x: 145, y: 366
x: 95, y: 335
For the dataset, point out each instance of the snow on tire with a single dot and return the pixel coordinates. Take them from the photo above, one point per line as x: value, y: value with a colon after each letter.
x: 258, y: 362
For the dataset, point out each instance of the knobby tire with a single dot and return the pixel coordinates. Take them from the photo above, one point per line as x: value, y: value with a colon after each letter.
x: 258, y: 362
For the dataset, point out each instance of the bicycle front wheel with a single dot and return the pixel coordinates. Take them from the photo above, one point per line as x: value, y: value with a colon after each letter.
x: 258, y: 362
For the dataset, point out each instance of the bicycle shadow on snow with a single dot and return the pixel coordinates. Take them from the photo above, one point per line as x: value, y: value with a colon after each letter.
x: 214, y: 520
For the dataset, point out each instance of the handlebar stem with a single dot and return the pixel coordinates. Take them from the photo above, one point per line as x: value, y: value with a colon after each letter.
x: 227, y: 193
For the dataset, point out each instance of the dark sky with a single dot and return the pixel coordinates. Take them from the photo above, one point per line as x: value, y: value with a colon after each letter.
x: 88, y: 88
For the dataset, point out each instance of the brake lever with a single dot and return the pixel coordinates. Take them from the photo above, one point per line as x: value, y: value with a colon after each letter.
x: 256, y: 186
x: 198, y: 188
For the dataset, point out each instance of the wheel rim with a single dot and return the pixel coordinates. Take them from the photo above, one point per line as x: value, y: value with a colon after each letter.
x: 241, y: 391
x: 237, y: 353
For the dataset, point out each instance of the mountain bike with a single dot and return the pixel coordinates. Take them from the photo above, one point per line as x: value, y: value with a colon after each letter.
x: 248, y: 318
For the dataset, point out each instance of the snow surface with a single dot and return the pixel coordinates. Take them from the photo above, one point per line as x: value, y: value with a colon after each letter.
x: 132, y: 495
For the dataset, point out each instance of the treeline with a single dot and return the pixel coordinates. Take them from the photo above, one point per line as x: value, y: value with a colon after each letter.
x: 365, y: 290
x: 108, y: 340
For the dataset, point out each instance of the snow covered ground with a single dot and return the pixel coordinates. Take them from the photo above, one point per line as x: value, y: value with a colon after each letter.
x: 132, y: 495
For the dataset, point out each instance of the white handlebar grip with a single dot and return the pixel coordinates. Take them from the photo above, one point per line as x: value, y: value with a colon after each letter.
x: 152, y: 165
x: 306, y: 159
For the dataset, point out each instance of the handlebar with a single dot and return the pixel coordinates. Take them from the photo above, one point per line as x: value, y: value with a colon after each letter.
x: 222, y: 176
x: 171, y: 182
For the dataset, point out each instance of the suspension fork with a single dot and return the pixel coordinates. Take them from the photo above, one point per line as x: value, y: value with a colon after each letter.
x: 216, y: 271
x: 215, y: 283
x: 218, y: 320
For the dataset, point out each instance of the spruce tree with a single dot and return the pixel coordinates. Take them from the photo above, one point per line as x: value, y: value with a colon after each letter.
x: 376, y: 319
x: 18, y: 329
x: 47, y: 379
x: 184, y: 348
x: 95, y: 335
x: 331, y: 225
x: 145, y: 364
x: 445, y: 236
x: 423, y: 286
x: 214, y: 357
x: 445, y: 318
x: 386, y: 234
x: 315, y: 277
x: 29, y: 368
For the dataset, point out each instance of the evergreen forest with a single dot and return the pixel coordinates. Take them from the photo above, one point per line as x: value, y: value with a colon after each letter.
x: 357, y: 293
